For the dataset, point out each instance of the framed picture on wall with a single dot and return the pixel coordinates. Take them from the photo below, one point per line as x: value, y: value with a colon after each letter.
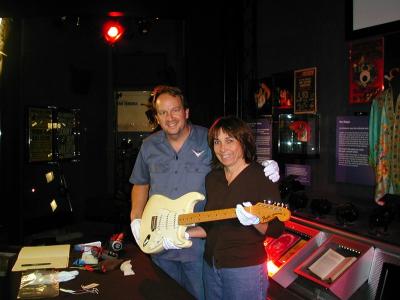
x: 134, y: 111
x: 305, y: 91
x: 366, y: 70
x: 298, y: 135
x: 283, y: 90
x: 263, y: 97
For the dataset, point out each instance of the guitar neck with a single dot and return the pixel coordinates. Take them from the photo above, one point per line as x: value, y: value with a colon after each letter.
x: 207, y: 216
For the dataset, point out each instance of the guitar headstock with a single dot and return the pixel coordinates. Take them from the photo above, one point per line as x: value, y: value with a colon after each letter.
x: 267, y: 211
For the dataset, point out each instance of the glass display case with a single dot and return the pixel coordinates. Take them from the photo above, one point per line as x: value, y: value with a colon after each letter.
x: 294, y: 276
x: 339, y: 264
x: 292, y: 247
x: 53, y: 134
x: 298, y: 135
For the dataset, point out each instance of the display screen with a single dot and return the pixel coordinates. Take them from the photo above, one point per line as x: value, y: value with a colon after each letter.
x: 371, y: 17
x: 368, y: 13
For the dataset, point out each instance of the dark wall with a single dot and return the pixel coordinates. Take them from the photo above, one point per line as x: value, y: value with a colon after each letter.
x: 64, y: 62
x: 295, y: 35
x: 63, y: 66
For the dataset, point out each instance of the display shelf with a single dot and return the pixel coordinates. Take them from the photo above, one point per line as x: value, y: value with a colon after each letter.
x: 353, y: 277
x: 313, y: 238
x: 286, y: 283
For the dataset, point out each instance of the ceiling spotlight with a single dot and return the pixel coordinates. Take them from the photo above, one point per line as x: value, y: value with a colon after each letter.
x: 144, y: 25
x: 112, y: 31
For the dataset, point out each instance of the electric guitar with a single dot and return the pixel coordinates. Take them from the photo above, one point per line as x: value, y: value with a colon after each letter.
x: 163, y: 217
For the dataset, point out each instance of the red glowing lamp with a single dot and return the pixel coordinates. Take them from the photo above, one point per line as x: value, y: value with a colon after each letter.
x: 113, y: 31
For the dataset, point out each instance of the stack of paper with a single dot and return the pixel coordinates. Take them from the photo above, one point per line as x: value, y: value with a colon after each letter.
x: 42, y: 257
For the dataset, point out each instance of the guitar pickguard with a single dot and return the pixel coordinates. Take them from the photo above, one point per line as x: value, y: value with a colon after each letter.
x: 160, y: 219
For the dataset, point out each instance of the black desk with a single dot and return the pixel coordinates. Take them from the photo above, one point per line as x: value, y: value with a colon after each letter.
x: 149, y: 282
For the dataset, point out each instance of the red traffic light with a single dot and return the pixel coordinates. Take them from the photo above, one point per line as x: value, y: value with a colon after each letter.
x: 113, y: 31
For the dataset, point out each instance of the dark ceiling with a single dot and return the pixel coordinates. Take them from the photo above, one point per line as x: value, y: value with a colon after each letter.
x: 26, y: 8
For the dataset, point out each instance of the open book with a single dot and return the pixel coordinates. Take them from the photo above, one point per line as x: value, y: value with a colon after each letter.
x: 331, y: 264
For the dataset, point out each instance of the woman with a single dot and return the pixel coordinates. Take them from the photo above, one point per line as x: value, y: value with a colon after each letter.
x: 235, y: 257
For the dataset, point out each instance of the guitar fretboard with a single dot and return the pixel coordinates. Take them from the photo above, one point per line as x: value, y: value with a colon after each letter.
x: 207, y: 216
x: 265, y: 214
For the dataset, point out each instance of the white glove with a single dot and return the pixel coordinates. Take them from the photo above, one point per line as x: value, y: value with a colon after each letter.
x: 246, y: 218
x: 271, y: 170
x: 168, y: 244
x: 135, y: 227
x: 66, y: 275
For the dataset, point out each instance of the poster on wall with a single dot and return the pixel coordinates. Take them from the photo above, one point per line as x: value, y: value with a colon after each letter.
x: 263, y: 97
x: 283, y: 90
x: 305, y: 91
x: 262, y: 129
x: 132, y: 113
x: 366, y: 70
x: 299, y: 135
x: 352, y: 151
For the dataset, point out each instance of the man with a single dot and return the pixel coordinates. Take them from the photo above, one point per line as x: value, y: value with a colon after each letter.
x: 173, y: 162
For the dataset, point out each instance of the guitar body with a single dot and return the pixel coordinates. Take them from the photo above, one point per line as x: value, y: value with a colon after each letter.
x: 160, y: 219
